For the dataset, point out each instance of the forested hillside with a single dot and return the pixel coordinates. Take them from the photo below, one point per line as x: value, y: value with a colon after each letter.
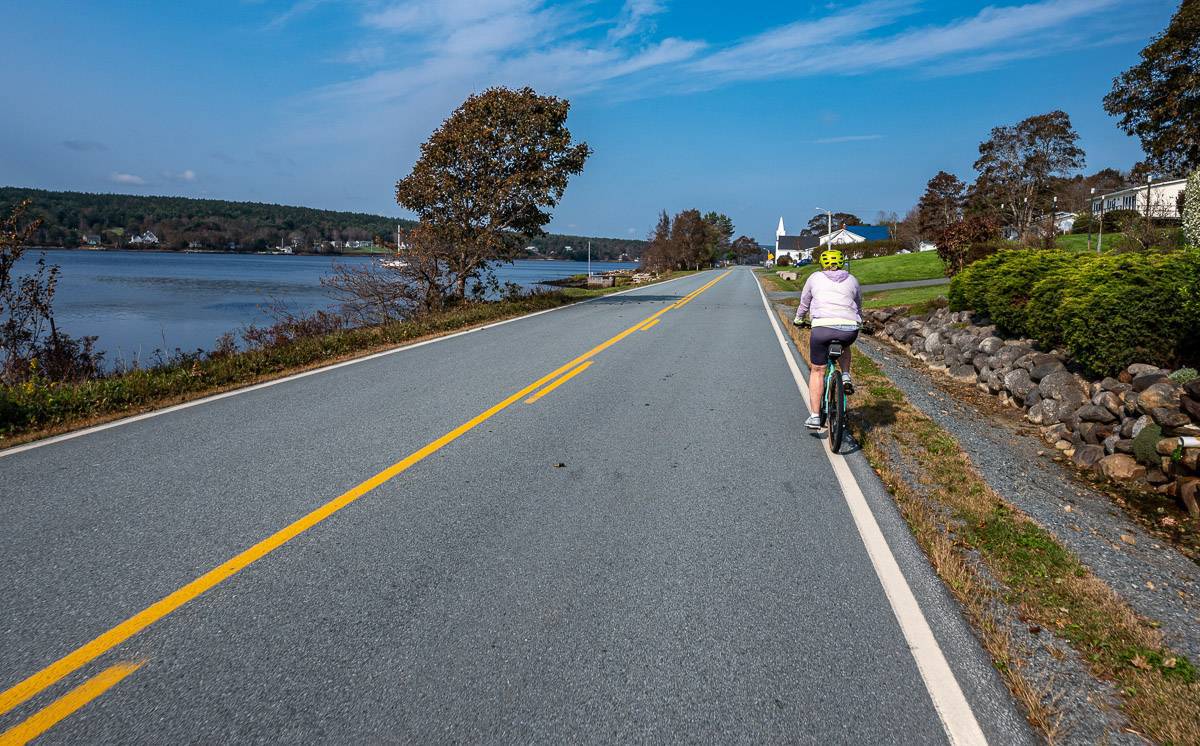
x: 72, y: 219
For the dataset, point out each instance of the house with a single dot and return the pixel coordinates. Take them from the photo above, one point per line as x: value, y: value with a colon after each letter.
x: 145, y: 239
x: 856, y: 234
x: 91, y: 240
x: 1153, y: 199
x: 1064, y: 221
x: 796, y: 248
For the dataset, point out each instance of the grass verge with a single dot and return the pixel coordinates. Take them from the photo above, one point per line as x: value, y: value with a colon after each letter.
x: 987, y: 551
x: 903, y: 296
x: 39, y: 409
x: 923, y: 265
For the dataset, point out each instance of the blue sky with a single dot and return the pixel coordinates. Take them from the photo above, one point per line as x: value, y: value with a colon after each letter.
x: 757, y: 109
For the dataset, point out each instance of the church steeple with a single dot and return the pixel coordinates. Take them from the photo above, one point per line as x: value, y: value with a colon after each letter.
x: 780, y: 231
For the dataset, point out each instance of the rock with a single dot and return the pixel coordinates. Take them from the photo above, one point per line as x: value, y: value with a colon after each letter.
x: 1087, y: 456
x: 979, y: 361
x: 1191, y: 406
x: 1018, y: 382
x: 1109, y: 401
x: 934, y: 344
x: 1158, y: 395
x: 1040, y: 371
x: 1155, y: 476
x: 1146, y: 380
x: 1062, y: 386
x: 1138, y: 369
x: 1124, y: 445
x: 1062, y: 445
x: 1138, y: 425
x: 1121, y: 468
x: 1025, y: 361
x: 1110, y: 443
x: 995, y: 383
x: 1191, y: 459
x: 1187, y: 489
x: 991, y: 345
x: 1170, y: 418
x: 1112, y: 384
x: 1033, y: 397
x: 964, y: 373
x: 1193, y: 389
x: 1131, y: 399
x: 1095, y: 413
x: 1054, y: 433
x: 1166, y: 446
x: 1010, y: 353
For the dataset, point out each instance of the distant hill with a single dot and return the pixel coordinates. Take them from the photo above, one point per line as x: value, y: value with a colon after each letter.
x: 72, y: 219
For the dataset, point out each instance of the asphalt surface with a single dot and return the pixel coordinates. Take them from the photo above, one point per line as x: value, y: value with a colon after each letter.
x: 656, y: 550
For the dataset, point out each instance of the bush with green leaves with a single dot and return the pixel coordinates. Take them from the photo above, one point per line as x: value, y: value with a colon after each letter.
x: 1107, y: 311
x: 1191, y: 210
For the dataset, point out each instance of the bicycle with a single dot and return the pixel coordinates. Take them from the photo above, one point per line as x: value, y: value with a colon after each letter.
x: 833, y: 403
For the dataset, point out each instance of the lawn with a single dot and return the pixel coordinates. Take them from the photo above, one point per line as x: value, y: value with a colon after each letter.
x: 923, y: 265
x: 1079, y: 241
x: 904, y: 296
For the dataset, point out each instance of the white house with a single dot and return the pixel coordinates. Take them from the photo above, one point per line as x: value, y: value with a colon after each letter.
x: 796, y: 248
x: 1154, y: 199
x: 146, y: 239
x: 856, y: 234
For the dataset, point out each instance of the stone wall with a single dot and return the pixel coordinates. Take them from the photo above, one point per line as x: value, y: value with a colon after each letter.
x: 1126, y: 428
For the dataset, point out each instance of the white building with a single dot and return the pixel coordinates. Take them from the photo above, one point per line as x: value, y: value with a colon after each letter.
x: 796, y: 248
x: 1155, y: 199
x: 146, y: 239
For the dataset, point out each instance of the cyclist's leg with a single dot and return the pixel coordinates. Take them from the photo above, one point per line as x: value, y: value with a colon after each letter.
x: 819, y: 339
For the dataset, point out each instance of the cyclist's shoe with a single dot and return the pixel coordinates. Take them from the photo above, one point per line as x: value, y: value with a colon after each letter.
x: 847, y: 384
x: 813, y: 422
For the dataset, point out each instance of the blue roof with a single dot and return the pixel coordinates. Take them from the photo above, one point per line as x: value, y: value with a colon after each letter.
x: 871, y: 232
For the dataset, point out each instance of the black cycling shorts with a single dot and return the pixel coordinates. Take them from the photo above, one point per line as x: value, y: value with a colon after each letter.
x: 822, y: 337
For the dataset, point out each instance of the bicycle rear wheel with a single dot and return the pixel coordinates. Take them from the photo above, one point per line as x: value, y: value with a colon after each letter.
x: 835, y: 405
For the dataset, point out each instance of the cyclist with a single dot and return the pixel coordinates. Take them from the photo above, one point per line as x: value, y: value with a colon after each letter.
x: 833, y: 298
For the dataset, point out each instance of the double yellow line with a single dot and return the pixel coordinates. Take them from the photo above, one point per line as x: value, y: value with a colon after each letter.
x: 88, y: 652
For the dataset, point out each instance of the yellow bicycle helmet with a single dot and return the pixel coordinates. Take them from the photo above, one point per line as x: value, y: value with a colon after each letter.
x: 831, y: 259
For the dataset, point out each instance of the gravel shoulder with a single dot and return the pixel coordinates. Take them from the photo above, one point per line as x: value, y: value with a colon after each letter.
x: 1156, y: 580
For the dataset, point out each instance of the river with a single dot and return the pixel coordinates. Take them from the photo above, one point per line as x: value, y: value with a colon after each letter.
x: 137, y: 302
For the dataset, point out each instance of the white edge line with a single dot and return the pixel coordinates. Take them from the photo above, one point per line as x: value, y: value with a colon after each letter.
x: 325, y: 369
x: 952, y: 707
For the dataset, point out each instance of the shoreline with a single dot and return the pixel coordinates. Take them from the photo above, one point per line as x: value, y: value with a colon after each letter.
x: 128, y: 250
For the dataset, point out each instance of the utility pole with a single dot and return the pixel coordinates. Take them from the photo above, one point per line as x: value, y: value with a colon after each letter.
x: 589, y: 257
x: 1148, y: 179
x: 1100, y: 237
x: 1091, y: 215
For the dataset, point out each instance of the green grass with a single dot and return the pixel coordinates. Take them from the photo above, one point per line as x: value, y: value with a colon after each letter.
x: 904, y: 296
x: 1079, y: 241
x: 923, y: 265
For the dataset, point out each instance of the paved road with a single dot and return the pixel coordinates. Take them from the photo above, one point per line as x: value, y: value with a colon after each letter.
x: 653, y: 550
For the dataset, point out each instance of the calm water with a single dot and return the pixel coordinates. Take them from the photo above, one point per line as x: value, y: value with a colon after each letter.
x: 137, y: 302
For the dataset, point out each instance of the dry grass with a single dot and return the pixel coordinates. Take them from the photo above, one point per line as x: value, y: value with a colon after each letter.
x: 956, y: 517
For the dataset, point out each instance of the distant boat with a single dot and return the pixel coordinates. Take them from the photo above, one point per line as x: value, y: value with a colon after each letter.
x: 393, y: 263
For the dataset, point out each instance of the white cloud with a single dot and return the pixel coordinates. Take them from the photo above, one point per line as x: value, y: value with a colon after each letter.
x: 127, y: 179
x: 634, y: 16
x: 187, y: 175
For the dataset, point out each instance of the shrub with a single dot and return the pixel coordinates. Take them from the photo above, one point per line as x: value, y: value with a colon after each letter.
x: 1045, y: 300
x: 966, y: 241
x: 1191, y: 209
x: 1010, y: 281
x: 967, y: 289
x: 783, y: 261
x: 1128, y: 308
x: 1184, y: 375
x: 1145, y: 445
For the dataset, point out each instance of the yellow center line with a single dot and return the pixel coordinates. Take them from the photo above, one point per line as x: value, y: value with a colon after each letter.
x: 652, y: 323
x: 560, y: 381
x: 106, y: 641
x: 46, y: 718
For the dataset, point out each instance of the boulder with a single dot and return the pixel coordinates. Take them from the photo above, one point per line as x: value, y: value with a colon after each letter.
x: 1121, y: 468
x: 1138, y: 425
x: 979, y: 361
x: 1170, y: 418
x: 1131, y: 399
x: 1155, y: 476
x: 1052, y: 411
x: 1166, y: 446
x: 1193, y: 389
x: 934, y: 344
x: 991, y: 345
x: 1138, y: 369
x: 1146, y: 380
x: 1095, y: 413
x: 1062, y: 386
x: 1188, y: 490
x: 1110, y: 443
x: 1112, y: 384
x: 1191, y: 406
x: 1158, y: 395
x: 1191, y: 459
x: 1033, y: 397
x: 1109, y: 401
x: 1018, y: 382
x: 1054, y: 433
x: 1041, y: 370
x: 1087, y: 456
x: 1124, y: 445
x: 964, y: 373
